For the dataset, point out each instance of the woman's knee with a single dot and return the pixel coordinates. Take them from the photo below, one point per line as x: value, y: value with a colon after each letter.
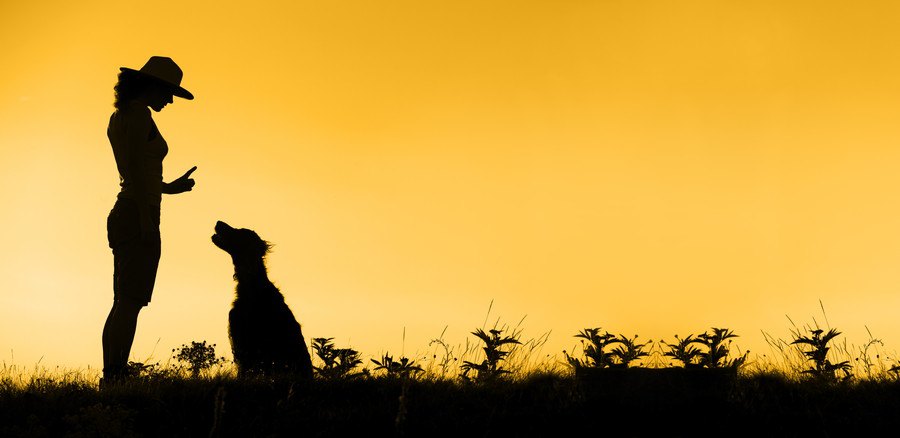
x: 128, y: 305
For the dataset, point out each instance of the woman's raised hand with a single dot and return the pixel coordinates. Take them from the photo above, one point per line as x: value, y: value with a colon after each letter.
x: 184, y: 183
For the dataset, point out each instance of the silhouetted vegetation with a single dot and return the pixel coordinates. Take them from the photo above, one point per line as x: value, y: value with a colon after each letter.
x: 403, y: 368
x: 821, y: 368
x: 712, y: 353
x: 197, y: 357
x: 615, y: 385
x: 337, y: 363
x: 597, y: 353
x: 490, y: 368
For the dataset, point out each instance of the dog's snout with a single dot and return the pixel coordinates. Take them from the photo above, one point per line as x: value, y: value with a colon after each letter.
x: 221, y: 226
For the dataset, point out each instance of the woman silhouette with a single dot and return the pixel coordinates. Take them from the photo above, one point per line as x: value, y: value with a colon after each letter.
x: 133, y: 224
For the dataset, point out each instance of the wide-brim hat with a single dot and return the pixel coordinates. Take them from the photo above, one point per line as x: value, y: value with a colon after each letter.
x: 165, y: 70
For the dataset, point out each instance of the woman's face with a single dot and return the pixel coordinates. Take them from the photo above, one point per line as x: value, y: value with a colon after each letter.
x: 159, y: 97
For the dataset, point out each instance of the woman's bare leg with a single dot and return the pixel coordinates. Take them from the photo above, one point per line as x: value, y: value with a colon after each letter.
x: 118, y: 336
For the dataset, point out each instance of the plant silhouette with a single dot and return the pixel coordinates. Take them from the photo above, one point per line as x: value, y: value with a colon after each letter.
x: 337, y: 363
x: 684, y: 351
x: 489, y: 369
x: 714, y: 353
x: 821, y: 368
x: 598, y: 354
x: 403, y: 368
x: 197, y: 357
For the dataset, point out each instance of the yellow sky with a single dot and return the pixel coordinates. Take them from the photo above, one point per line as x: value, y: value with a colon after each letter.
x: 648, y: 167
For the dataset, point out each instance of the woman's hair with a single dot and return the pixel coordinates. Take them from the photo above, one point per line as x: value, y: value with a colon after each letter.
x: 130, y: 85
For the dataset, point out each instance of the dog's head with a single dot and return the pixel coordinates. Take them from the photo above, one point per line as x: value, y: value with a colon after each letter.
x: 239, y: 242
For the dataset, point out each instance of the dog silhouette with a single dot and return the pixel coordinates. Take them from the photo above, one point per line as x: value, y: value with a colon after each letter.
x: 265, y: 336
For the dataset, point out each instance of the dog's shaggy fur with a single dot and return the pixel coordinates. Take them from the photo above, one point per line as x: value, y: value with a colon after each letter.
x: 265, y: 336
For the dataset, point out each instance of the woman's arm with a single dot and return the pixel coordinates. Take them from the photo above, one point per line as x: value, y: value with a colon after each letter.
x: 137, y: 130
x: 184, y: 183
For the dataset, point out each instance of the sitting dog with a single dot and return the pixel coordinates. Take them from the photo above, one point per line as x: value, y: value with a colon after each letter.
x: 265, y: 336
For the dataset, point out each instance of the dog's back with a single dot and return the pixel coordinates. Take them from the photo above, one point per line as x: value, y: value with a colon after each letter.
x: 265, y: 336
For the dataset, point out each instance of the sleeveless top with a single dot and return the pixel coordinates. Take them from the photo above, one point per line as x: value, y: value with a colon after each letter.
x: 149, y: 153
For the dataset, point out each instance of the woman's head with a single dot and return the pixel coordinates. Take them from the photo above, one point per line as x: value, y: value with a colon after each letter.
x: 153, y: 85
x: 133, y: 85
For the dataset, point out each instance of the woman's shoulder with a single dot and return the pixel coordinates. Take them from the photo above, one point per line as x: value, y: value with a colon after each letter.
x: 130, y: 116
x: 130, y: 112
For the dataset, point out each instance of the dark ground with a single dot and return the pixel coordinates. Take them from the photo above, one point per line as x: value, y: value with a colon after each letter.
x: 621, y: 403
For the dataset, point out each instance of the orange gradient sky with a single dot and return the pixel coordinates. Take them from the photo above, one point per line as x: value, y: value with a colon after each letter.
x: 650, y: 167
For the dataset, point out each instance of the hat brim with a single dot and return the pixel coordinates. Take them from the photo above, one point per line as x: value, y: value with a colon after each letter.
x: 177, y: 90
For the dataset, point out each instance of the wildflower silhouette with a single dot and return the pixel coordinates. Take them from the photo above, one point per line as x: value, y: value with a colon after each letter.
x: 821, y: 368
x: 197, y: 357
x: 684, y: 351
x: 595, y: 354
x: 715, y: 354
x: 489, y: 369
x: 628, y: 351
x: 402, y: 368
x: 338, y: 363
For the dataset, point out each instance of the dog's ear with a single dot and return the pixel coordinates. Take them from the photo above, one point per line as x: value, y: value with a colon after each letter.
x: 265, y: 247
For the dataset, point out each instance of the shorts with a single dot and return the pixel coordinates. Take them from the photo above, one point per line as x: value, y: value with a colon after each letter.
x: 136, y: 260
